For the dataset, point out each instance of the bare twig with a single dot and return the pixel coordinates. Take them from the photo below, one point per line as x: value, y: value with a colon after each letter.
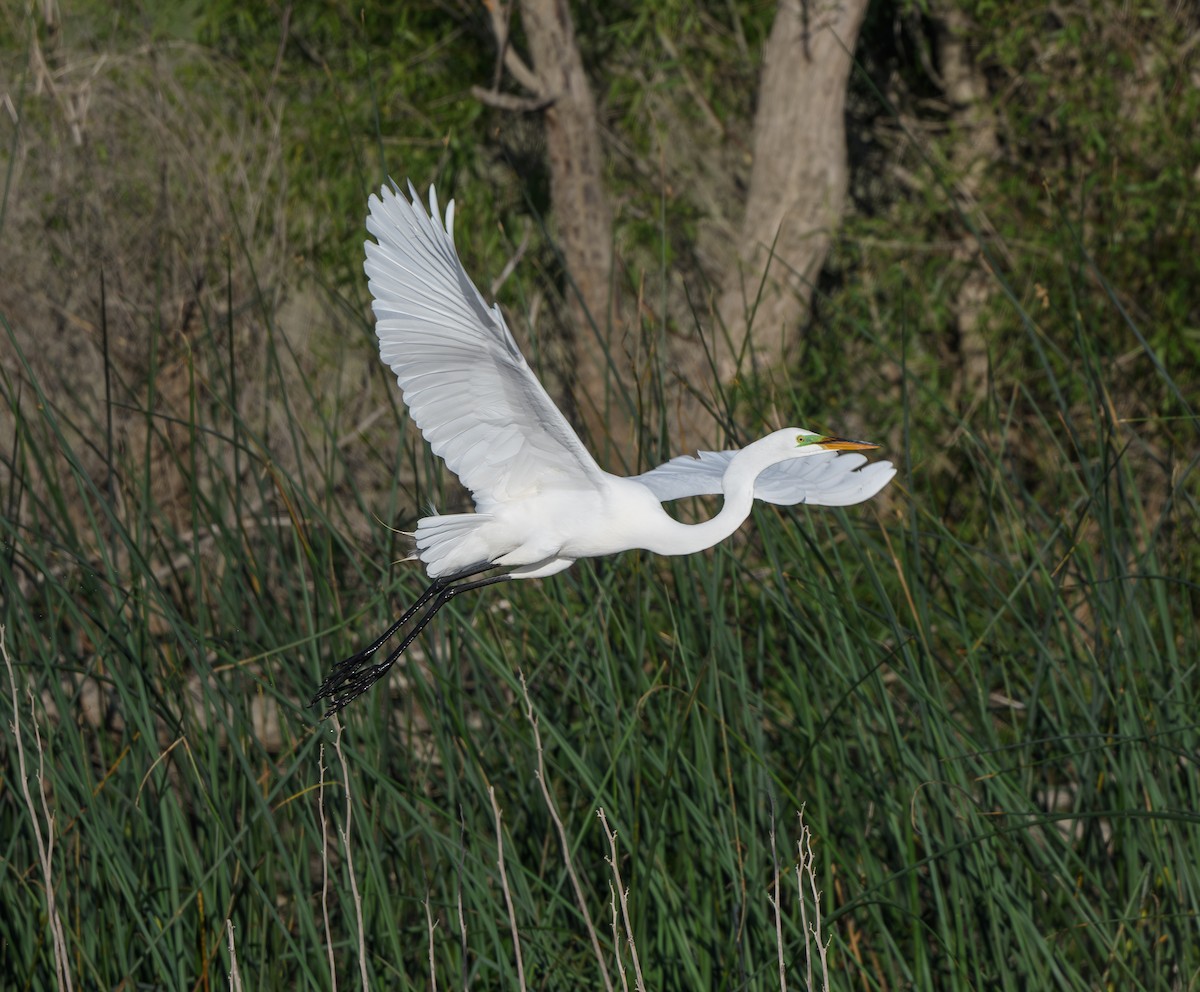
x: 774, y: 898
x: 429, y: 924
x: 622, y: 895
x: 616, y: 932
x: 689, y: 81
x: 325, y: 868
x: 512, y: 916
x: 511, y: 264
x: 358, y: 909
x: 806, y: 866
x: 462, y: 918
x: 562, y: 838
x: 284, y: 32
x: 511, y: 102
x: 359, y: 429
x: 45, y: 843
x: 235, y: 978
x: 513, y: 62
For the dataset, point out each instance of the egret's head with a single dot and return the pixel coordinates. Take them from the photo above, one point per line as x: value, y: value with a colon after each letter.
x: 823, y: 442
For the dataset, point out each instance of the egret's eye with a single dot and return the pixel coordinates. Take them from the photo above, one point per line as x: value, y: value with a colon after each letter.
x: 802, y: 440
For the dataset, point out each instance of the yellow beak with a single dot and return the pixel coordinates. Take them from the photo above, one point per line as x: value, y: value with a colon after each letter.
x: 843, y: 444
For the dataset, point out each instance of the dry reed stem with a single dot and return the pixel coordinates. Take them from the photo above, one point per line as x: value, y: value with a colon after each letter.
x: 512, y: 916
x: 622, y: 895
x: 774, y: 900
x: 345, y: 832
x: 325, y: 867
x: 45, y: 843
x: 562, y: 837
x: 429, y: 924
x: 235, y: 978
x: 458, y: 893
x: 616, y: 932
x: 805, y: 867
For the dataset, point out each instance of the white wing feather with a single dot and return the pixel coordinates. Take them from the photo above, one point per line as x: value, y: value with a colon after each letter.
x: 830, y: 478
x: 466, y: 384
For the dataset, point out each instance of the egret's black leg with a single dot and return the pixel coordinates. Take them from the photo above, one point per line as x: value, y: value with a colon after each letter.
x: 352, y: 677
x: 345, y: 668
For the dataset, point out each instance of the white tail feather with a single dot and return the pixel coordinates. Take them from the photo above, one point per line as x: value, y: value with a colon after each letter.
x: 453, y: 542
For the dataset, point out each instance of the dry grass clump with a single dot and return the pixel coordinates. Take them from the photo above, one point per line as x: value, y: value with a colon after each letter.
x: 145, y: 201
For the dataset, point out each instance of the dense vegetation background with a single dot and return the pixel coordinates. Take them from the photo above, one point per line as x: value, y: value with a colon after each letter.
x: 981, y: 689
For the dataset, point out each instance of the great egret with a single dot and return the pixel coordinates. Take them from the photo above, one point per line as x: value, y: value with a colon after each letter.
x: 541, y: 501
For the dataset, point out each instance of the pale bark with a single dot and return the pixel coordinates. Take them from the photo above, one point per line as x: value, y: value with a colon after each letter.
x: 798, y: 183
x: 977, y: 145
x: 797, y: 190
x: 582, y: 215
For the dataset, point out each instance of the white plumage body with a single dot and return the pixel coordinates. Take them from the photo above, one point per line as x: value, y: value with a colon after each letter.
x: 541, y: 500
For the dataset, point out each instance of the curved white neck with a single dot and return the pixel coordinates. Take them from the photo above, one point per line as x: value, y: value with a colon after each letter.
x: 674, y: 538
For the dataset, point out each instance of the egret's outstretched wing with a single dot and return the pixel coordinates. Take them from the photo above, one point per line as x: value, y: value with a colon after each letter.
x: 466, y: 384
x: 826, y: 479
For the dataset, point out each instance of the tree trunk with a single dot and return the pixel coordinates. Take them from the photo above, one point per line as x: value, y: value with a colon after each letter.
x: 798, y: 183
x: 581, y: 213
x: 966, y: 91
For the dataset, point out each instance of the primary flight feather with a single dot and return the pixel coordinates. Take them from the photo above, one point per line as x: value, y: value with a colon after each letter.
x: 541, y: 500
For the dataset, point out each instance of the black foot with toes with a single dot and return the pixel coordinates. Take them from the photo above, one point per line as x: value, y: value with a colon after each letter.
x: 349, y: 680
x: 355, y: 675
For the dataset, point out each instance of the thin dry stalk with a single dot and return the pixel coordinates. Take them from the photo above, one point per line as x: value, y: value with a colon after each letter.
x: 429, y: 924
x: 512, y: 916
x: 325, y: 868
x: 462, y: 918
x: 235, y: 978
x: 45, y: 843
x: 562, y: 838
x: 622, y: 894
x: 616, y: 930
x: 806, y: 866
x: 358, y: 909
x: 775, y: 906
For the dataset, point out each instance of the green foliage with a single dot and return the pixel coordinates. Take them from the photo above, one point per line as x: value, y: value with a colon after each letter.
x: 989, y: 730
x: 980, y: 688
x: 369, y: 94
x: 1092, y: 107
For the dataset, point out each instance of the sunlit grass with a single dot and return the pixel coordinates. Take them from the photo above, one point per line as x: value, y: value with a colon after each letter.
x: 981, y: 690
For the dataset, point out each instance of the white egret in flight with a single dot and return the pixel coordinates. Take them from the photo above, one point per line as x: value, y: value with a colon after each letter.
x: 541, y: 501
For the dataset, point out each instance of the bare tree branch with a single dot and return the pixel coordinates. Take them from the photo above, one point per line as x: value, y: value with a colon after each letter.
x: 508, y: 56
x: 509, y: 101
x: 582, y: 214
